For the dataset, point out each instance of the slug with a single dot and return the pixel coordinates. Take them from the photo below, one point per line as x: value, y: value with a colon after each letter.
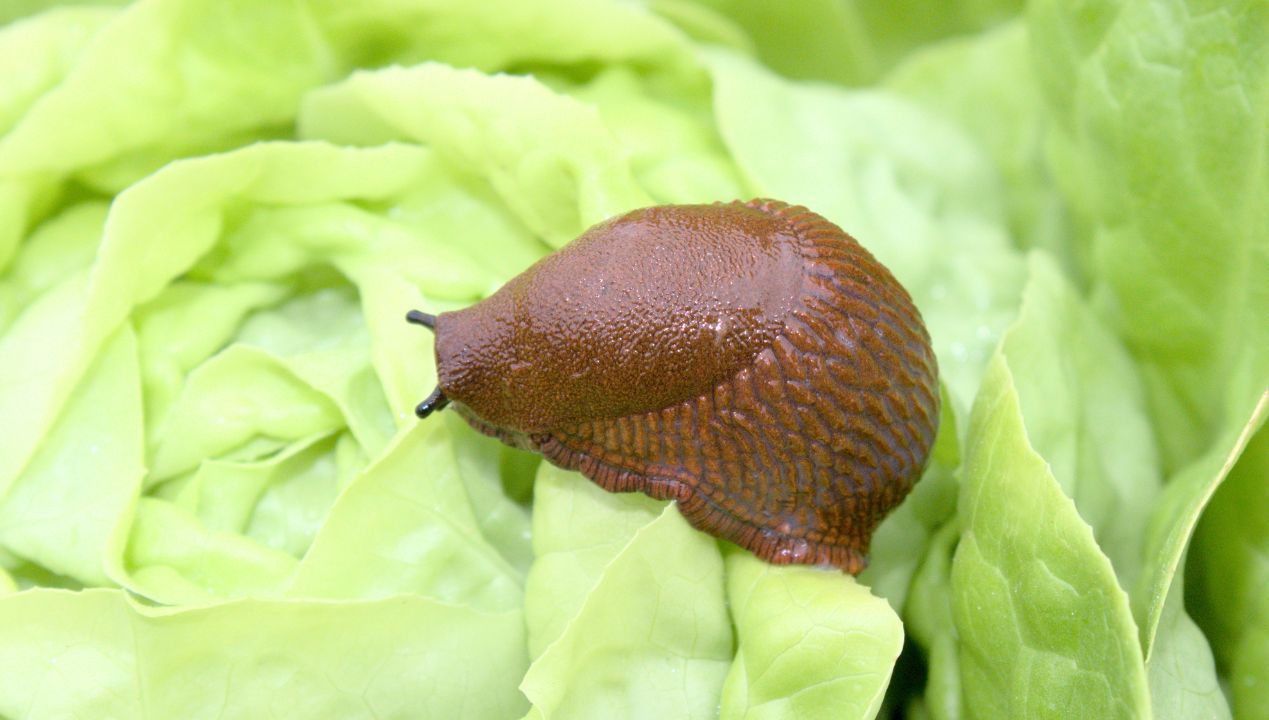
x: 750, y: 361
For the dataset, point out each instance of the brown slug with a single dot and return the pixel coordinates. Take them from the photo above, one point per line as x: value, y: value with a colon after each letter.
x: 750, y: 361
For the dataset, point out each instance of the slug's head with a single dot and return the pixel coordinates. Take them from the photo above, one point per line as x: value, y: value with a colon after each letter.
x: 479, y: 371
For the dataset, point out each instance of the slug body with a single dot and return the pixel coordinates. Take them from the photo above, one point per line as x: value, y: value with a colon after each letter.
x: 750, y: 361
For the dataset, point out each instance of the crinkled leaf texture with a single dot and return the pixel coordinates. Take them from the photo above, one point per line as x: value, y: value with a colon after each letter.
x: 106, y: 656
x: 1043, y: 625
x: 628, y: 617
x: 1084, y: 412
x: 641, y: 627
x: 810, y: 643
x: 215, y: 500
x: 1162, y: 110
x: 1162, y: 115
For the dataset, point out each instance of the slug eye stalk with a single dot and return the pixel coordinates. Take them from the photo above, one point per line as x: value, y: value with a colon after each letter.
x: 418, y: 317
x: 435, y: 401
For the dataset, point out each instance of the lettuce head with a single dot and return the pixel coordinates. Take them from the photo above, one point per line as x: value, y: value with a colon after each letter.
x: 215, y: 500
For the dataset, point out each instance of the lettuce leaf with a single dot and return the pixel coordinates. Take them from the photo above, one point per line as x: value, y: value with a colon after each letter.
x: 1182, y: 672
x: 1230, y: 561
x: 847, y: 42
x: 549, y: 158
x: 394, y: 532
x: 1004, y: 113
x: 48, y: 516
x: 1084, y: 411
x: 1162, y: 110
x: 810, y: 644
x: 1177, y: 512
x: 1044, y: 627
x: 402, y: 656
x: 636, y: 627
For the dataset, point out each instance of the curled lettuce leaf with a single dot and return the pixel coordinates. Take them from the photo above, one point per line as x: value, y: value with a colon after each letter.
x: 642, y: 630
x: 810, y: 644
x: 402, y: 656
x: 1043, y: 624
x: 1162, y: 112
x: 1230, y: 561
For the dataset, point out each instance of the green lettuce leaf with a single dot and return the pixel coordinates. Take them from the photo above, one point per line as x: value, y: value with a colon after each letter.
x: 1177, y: 513
x: 848, y: 42
x: 813, y: 40
x: 810, y: 643
x: 894, y: 30
x: 248, y: 394
x: 50, y: 515
x: 180, y: 209
x: 1162, y: 114
x: 215, y: 498
x: 932, y: 624
x: 1182, y: 673
x: 571, y: 549
x: 34, y: 56
x: 985, y: 85
x: 1229, y: 564
x: 666, y: 131
x: 396, y: 530
x: 37, y: 9
x: 631, y: 623
x: 549, y: 158
x: 1044, y: 627
x: 106, y: 656
x: 1084, y: 412
x: 181, y: 328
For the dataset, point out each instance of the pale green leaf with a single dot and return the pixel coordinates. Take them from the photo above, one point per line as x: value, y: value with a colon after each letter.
x: 810, y: 643
x: 1044, y: 627
x: 1084, y: 411
x: 105, y: 656
x: 1182, y: 673
x: 648, y: 635
x: 406, y: 526
x: 1177, y: 512
x: 1161, y: 112
x: 80, y: 487
x: 549, y: 157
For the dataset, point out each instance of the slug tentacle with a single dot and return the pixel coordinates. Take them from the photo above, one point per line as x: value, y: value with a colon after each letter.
x: 749, y: 361
x: 435, y: 401
x: 418, y: 317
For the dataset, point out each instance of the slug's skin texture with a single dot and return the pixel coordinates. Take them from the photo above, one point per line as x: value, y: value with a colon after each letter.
x: 750, y: 361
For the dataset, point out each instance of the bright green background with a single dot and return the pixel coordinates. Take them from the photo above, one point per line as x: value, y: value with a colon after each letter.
x: 215, y: 500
